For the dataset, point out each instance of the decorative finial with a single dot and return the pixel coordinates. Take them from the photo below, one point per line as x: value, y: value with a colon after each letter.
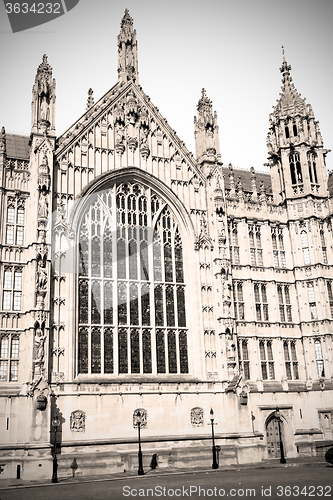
x: 284, y: 59
x: 90, y: 100
x: 127, y: 50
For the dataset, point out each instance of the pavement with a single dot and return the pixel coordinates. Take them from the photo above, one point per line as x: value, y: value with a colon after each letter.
x: 10, y: 483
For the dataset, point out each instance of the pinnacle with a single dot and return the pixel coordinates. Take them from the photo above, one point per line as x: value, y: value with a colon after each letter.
x: 126, y: 18
x: 290, y: 101
x: 44, y: 65
x: 204, y: 100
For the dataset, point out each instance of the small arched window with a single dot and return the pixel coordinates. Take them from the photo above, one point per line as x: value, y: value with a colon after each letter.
x: 295, y: 129
x: 287, y: 132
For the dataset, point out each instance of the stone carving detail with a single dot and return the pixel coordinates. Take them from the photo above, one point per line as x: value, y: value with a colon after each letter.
x: 127, y: 50
x: 39, y: 350
x: 78, y: 421
x: 144, y: 418
x: 3, y: 140
x: 44, y: 176
x: 90, y: 100
x: 197, y: 417
x: 43, y: 96
x: 41, y: 402
x: 203, y: 240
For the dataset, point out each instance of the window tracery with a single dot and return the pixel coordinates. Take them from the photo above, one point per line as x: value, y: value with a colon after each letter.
x: 131, y: 289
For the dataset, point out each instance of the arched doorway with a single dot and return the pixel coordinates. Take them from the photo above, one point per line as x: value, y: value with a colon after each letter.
x: 273, y: 437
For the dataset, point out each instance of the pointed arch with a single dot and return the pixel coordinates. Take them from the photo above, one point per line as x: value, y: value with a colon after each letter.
x: 131, y: 288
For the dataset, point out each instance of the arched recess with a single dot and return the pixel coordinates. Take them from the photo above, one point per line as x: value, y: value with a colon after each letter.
x: 132, y: 294
x: 273, y: 435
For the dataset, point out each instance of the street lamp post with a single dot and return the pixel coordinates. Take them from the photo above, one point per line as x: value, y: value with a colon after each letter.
x: 55, y: 424
x: 215, y: 465
x: 139, y: 422
x: 278, y: 416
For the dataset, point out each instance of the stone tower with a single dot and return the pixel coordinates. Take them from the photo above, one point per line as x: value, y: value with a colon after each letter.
x: 295, y: 146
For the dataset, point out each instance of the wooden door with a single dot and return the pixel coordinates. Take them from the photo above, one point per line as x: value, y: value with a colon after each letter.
x: 273, y: 438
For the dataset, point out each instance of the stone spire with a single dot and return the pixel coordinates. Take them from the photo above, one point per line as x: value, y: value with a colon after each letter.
x: 43, y: 100
x: 290, y: 102
x: 127, y: 51
x: 206, y: 128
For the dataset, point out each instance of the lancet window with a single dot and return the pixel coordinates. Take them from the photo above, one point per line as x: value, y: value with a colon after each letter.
x: 295, y: 168
x: 255, y: 245
x: 279, y: 255
x: 244, y: 359
x: 131, y: 288
x: 319, y: 358
x: 266, y: 358
x: 15, y: 221
x: 9, y: 357
x: 290, y: 359
x: 312, y: 167
x: 234, y: 243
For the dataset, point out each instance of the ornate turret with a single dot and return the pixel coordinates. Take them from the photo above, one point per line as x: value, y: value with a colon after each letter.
x: 43, y: 100
x: 206, y: 130
x: 295, y: 145
x: 127, y: 51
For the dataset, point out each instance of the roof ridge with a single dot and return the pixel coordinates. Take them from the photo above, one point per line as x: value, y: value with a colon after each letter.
x: 247, y: 170
x: 22, y: 134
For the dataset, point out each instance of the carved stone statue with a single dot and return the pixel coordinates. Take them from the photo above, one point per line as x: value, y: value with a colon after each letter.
x: 119, y: 136
x: 129, y: 56
x: 39, y: 346
x: 230, y: 346
x: 44, y: 109
x: 41, y: 280
x: 43, y: 207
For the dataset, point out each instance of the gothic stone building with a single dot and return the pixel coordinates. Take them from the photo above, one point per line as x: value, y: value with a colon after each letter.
x: 136, y: 277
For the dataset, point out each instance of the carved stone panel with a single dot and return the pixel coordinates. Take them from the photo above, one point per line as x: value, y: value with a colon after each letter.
x: 144, y: 418
x: 78, y: 421
x: 197, y: 417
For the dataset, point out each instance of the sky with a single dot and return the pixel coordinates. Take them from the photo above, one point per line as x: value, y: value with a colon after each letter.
x: 231, y: 48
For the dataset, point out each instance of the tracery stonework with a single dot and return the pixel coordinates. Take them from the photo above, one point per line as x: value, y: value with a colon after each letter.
x: 131, y: 265
x: 78, y: 421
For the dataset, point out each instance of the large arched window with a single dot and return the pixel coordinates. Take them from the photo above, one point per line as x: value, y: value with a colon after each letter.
x: 131, y: 291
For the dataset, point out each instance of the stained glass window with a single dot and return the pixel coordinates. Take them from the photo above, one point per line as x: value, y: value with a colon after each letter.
x: 131, y: 290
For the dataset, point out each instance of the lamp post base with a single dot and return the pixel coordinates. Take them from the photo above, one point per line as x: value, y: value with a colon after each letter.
x: 55, y: 470
x: 140, y: 469
x: 215, y: 465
